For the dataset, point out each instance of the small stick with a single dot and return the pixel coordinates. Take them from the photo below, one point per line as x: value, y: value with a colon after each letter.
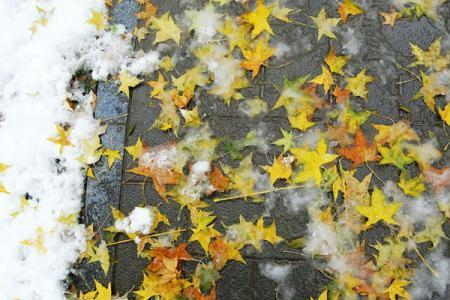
x: 304, y: 24
x: 373, y: 172
x: 144, y: 236
x: 258, y: 193
x: 435, y: 274
x: 279, y: 66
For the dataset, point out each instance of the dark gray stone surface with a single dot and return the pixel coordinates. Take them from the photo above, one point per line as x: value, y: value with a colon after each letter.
x: 381, y: 47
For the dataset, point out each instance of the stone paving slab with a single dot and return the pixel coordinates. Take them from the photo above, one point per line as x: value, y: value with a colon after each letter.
x: 381, y: 45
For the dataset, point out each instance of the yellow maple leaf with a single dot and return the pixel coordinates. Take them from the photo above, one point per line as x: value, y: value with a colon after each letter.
x: 148, y: 288
x: 338, y: 184
x: 166, y: 29
x: 397, y: 289
x: 430, y: 58
x: 248, y: 233
x: 312, y: 160
x: 281, y: 13
x: 237, y: 35
x: 101, y: 254
x: 191, y: 117
x: 98, y: 20
x: 258, y: 18
x: 203, y: 231
x: 281, y: 168
x: 112, y: 156
x: 90, y: 172
x: 63, y: 138
x: 411, y: 186
x: 326, y: 79
x: 147, y: 13
x: 445, y: 114
x: 285, y: 141
x: 140, y: 33
x: 91, y: 150
x: 302, y: 120
x: 242, y: 178
x: 433, y: 232
x: 103, y: 293
x: 157, y: 85
x: 136, y: 150
x: 392, y: 133
x: 127, y: 81
x: 166, y: 64
x: 336, y: 62
x: 432, y: 86
x: 3, y: 167
x: 38, y: 243
x: 348, y: 7
x: 390, y: 17
x: 204, y: 236
x: 323, y: 295
x: 378, y: 210
x: 357, y: 85
x: 355, y: 191
x: 257, y: 55
x: 168, y: 117
x: 325, y: 25
x: 427, y: 7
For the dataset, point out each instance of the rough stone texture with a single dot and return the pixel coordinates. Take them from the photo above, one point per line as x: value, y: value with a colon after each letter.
x: 381, y: 47
x: 104, y: 191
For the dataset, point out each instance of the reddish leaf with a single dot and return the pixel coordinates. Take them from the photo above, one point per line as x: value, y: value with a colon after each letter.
x: 361, y: 151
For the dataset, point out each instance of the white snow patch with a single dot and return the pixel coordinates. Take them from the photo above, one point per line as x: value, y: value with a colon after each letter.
x: 140, y: 220
x: 321, y: 239
x: 35, y: 81
x: 205, y: 23
x: 280, y: 274
x: 35, y: 73
x: 198, y: 183
x: 282, y: 50
x: 351, y: 44
x: 424, y: 284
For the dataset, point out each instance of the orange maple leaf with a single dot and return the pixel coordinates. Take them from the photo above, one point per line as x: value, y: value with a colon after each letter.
x: 361, y: 151
x: 218, y: 179
x: 342, y: 95
x: 222, y: 251
x: 192, y: 293
x: 257, y: 56
x: 149, y: 165
x: 179, y: 252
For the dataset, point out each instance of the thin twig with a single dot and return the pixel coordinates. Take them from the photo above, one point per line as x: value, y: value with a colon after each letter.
x: 273, y: 85
x: 114, y: 118
x: 103, y: 223
x: 145, y: 236
x: 373, y: 172
x: 304, y: 24
x: 406, y: 81
x: 279, y: 66
x: 435, y: 274
x: 409, y: 71
x: 258, y: 193
x: 384, y: 117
